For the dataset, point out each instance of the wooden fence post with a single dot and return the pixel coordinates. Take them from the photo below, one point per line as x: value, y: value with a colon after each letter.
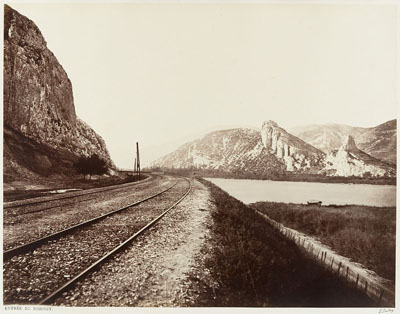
x: 358, y: 277
x: 347, y: 272
x: 366, y: 287
x: 380, y: 297
x: 340, y: 265
x: 332, y: 261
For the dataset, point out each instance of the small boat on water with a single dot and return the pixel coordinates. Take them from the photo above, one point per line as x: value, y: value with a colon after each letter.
x: 314, y: 202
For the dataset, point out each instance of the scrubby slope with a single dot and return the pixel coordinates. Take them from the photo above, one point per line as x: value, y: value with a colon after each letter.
x: 379, y: 141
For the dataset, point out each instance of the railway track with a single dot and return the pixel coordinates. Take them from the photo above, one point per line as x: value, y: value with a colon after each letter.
x: 85, y: 247
x: 75, y: 194
x: 22, y: 225
x: 30, y: 246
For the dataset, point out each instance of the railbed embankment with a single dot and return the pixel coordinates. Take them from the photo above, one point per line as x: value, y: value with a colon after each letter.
x: 379, y: 289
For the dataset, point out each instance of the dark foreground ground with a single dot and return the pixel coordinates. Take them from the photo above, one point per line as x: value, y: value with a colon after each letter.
x: 366, y: 234
x: 233, y: 258
x: 256, y: 266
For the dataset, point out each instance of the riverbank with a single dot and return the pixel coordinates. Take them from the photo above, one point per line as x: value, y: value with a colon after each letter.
x: 254, y: 265
x: 251, y: 191
x: 365, y: 234
x: 286, y: 176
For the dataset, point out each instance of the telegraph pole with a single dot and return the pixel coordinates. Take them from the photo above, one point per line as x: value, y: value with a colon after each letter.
x: 137, y: 160
x: 134, y: 169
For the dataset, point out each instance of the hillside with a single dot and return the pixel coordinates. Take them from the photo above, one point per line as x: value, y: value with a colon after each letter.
x: 234, y: 150
x: 42, y: 134
x: 379, y: 141
x: 349, y: 160
x: 271, y: 152
x: 240, y: 151
x: 296, y: 154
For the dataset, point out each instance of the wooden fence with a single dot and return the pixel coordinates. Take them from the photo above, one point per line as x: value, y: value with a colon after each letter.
x: 377, y: 288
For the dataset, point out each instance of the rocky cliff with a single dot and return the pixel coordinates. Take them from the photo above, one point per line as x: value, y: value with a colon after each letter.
x: 38, y: 98
x: 296, y: 154
x: 348, y: 160
x: 269, y: 152
x: 234, y: 151
x: 379, y: 141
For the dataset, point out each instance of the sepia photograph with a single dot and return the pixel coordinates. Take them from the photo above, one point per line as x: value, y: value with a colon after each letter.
x: 200, y: 155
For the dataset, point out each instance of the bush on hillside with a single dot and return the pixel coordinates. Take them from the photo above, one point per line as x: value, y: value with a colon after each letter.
x: 91, y: 165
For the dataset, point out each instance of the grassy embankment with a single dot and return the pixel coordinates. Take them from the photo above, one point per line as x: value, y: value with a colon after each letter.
x: 366, y: 234
x: 256, y: 266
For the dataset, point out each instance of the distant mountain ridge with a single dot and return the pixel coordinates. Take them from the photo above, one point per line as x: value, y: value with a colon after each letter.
x: 273, y: 150
x: 379, y: 141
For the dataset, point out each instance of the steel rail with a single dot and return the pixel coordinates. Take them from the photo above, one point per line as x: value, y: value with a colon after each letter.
x: 118, y: 248
x: 15, y: 214
x: 98, y: 190
x: 34, y: 244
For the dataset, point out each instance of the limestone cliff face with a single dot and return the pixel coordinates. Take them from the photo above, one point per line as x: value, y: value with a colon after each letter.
x: 379, y: 141
x: 237, y: 151
x: 296, y: 154
x: 247, y: 151
x: 38, y: 98
x: 348, y: 160
x: 272, y: 151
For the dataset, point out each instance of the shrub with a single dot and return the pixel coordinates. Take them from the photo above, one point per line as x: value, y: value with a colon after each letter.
x: 91, y: 165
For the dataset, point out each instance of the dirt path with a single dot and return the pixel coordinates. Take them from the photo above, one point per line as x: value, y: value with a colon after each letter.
x: 157, y: 269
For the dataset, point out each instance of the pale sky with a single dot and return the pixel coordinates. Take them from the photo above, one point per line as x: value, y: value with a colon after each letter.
x: 161, y: 74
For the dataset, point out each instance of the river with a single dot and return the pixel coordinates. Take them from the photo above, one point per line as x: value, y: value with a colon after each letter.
x: 250, y: 191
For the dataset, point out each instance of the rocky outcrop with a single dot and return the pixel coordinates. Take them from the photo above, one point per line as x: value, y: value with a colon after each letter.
x: 348, y: 160
x: 236, y: 151
x: 38, y: 98
x: 246, y: 151
x: 349, y: 144
x: 379, y: 141
x: 296, y: 154
x: 271, y: 151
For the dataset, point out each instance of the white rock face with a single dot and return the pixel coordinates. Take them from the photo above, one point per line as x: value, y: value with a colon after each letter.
x: 235, y: 150
x: 348, y: 160
x: 379, y: 141
x: 272, y: 150
x: 293, y: 152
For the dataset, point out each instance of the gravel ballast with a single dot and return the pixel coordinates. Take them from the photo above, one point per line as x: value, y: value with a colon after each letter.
x: 29, y: 277
x: 159, y: 268
x: 22, y: 228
